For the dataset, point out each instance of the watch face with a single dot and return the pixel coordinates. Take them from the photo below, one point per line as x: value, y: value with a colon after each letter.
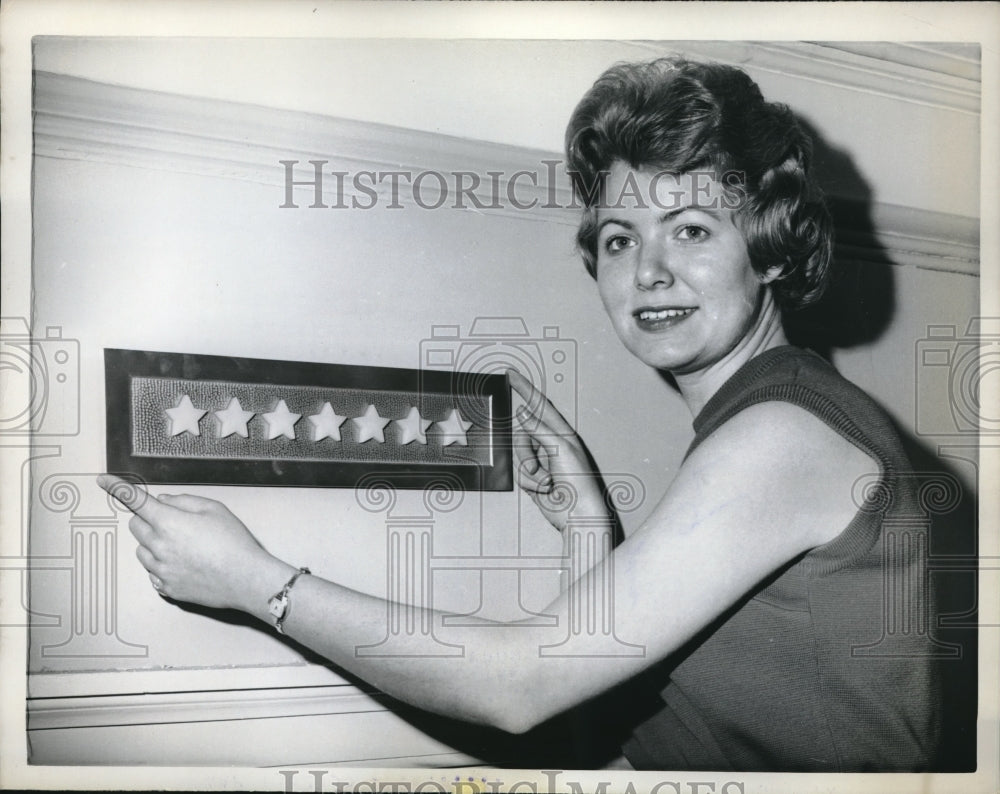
x: 276, y: 606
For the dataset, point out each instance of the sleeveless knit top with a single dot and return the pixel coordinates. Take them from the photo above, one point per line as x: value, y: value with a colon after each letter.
x: 830, y: 665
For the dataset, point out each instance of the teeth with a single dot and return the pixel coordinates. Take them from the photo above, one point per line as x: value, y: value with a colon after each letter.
x: 664, y: 314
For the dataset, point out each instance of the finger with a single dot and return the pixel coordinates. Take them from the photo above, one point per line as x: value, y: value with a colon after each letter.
x: 539, y: 475
x: 148, y: 537
x: 526, y: 451
x: 532, y: 475
x: 538, y: 404
x: 141, y: 530
x: 534, y: 469
x: 188, y: 503
x: 145, y: 556
x: 158, y: 585
x: 133, y: 496
x: 534, y: 485
x: 537, y: 451
x: 542, y: 432
x: 545, y: 440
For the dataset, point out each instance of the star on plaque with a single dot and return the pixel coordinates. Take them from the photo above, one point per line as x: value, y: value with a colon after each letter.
x: 453, y: 429
x: 233, y: 419
x: 185, y: 417
x: 413, y: 428
x: 326, y: 424
x: 370, y: 426
x: 281, y: 422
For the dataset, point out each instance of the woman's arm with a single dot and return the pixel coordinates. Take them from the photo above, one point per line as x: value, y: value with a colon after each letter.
x: 770, y: 484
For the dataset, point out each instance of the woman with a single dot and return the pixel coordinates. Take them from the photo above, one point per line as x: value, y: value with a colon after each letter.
x: 757, y: 580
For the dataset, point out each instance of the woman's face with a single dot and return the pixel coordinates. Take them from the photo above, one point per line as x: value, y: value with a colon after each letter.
x: 673, y: 269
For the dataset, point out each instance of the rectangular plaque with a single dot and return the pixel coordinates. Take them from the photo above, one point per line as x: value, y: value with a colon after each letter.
x: 199, y: 419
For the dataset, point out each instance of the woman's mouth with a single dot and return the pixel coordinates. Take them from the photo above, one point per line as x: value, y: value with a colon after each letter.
x: 658, y: 319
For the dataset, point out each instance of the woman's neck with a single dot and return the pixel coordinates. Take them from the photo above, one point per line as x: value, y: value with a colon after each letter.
x: 698, y: 387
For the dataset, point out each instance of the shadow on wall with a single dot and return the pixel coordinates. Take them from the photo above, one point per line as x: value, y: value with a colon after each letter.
x: 860, y: 301
x: 856, y: 310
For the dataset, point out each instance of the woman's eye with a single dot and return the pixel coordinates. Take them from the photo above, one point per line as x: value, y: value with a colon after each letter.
x: 616, y: 243
x: 692, y: 233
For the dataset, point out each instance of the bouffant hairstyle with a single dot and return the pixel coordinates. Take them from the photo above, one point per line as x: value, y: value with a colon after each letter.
x: 681, y: 116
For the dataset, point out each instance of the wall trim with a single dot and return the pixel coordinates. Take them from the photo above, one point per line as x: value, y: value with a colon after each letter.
x: 906, y: 237
x: 85, y: 700
x: 121, y: 682
x: 86, y: 121
x: 924, y: 75
x: 272, y: 716
x: 957, y: 59
x: 201, y: 706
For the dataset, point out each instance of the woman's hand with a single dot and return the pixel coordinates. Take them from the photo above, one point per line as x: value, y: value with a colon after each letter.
x: 193, y: 548
x: 553, y: 465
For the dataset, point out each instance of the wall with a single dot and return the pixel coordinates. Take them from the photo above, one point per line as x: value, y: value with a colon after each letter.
x: 157, y: 226
x: 908, y: 114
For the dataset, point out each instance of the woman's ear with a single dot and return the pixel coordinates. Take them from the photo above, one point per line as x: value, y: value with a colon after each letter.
x: 773, y: 273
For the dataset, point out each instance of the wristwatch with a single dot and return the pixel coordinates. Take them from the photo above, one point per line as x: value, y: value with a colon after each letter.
x: 277, y: 605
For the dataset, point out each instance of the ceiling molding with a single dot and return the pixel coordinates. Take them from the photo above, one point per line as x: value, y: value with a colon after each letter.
x: 921, y: 74
x: 77, y: 119
x: 82, y: 120
x: 946, y: 58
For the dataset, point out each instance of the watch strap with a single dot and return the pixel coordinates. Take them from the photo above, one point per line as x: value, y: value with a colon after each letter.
x: 279, y: 602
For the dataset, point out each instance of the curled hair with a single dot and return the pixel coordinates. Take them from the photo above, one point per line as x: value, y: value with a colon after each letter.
x: 681, y: 116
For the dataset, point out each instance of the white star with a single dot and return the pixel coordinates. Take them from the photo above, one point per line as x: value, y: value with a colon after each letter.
x: 233, y: 420
x: 453, y: 429
x: 281, y: 422
x: 413, y: 428
x: 327, y: 423
x: 185, y: 417
x: 370, y: 426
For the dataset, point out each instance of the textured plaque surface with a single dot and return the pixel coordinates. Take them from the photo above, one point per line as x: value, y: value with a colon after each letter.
x: 186, y: 418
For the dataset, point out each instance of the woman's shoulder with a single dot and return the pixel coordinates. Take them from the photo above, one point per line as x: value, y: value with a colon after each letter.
x: 797, y: 458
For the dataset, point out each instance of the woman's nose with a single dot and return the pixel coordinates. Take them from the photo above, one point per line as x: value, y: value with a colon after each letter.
x: 653, y: 268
